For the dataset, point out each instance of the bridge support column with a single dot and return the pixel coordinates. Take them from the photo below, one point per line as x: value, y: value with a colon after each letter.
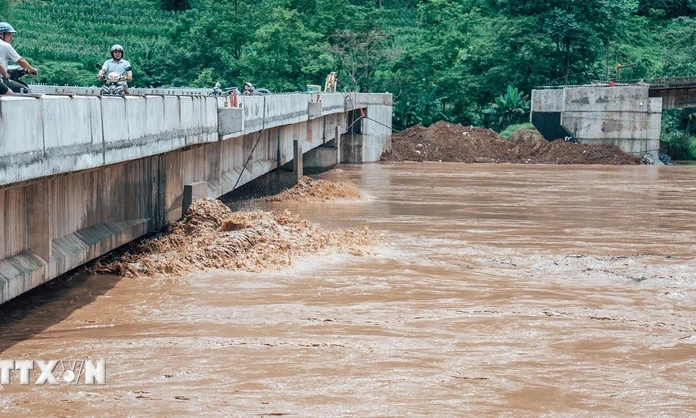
x: 297, y: 164
x: 38, y: 220
x: 325, y: 157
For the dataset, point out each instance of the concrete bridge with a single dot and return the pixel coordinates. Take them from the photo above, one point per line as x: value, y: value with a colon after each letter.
x: 81, y: 175
x: 629, y: 116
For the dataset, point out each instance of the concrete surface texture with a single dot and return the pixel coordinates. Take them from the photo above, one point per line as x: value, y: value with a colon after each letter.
x: 625, y: 116
x: 60, y: 134
x: 129, y: 166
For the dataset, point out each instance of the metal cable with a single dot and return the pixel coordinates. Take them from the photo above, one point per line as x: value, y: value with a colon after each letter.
x: 251, y: 154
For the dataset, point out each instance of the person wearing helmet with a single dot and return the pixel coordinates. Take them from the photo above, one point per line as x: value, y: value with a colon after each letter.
x: 116, y: 64
x: 249, y: 89
x: 7, y: 52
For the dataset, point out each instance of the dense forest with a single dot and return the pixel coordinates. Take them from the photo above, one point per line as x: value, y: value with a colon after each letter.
x: 467, y: 61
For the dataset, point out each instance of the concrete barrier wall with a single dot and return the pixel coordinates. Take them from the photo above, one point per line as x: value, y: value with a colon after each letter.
x: 60, y: 134
x: 606, y: 99
x: 366, y: 99
x: 332, y: 103
x: 72, y: 149
x: 272, y: 111
x: 21, y: 140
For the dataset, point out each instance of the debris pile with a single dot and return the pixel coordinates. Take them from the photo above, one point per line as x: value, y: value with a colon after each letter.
x: 211, y: 236
x: 456, y: 143
x: 308, y: 189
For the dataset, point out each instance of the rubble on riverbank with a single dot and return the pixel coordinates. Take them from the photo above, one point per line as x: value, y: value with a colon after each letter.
x: 212, y: 236
x: 448, y: 142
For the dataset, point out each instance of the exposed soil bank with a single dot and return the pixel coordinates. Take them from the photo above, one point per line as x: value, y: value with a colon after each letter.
x: 456, y: 143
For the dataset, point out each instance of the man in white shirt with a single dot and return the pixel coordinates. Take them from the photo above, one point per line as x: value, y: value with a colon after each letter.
x: 116, y: 64
x: 7, y: 52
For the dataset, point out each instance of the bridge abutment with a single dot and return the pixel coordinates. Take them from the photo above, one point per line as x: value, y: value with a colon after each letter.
x: 624, y: 116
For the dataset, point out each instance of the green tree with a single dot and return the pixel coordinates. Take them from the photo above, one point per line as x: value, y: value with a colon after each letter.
x: 5, y: 9
x: 175, y: 5
x: 575, y: 28
x: 359, y: 55
x: 613, y: 21
x: 286, y: 55
x: 508, y: 109
x: 667, y: 8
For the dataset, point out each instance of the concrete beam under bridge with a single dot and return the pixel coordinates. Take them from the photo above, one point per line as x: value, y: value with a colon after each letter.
x: 681, y: 97
x: 625, y: 116
x: 80, y: 175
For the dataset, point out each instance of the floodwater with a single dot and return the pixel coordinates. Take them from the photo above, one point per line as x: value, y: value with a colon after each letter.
x: 496, y: 289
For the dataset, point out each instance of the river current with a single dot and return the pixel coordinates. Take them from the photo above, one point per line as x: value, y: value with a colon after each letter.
x: 492, y: 289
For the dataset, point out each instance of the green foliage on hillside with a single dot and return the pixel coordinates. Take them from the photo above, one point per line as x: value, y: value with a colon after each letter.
x: 442, y: 59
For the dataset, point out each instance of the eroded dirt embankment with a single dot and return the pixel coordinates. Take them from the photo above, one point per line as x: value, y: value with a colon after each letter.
x: 212, y: 236
x: 456, y: 143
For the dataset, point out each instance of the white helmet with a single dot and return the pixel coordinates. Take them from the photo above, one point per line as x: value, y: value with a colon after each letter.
x: 115, y: 48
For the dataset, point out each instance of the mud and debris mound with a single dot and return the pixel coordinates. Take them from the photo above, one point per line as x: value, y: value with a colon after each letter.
x: 308, y: 189
x: 211, y: 236
x: 456, y: 143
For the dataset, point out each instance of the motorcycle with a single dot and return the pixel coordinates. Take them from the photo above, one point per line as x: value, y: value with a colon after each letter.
x: 15, y: 81
x: 253, y: 91
x: 219, y: 92
x: 114, y: 84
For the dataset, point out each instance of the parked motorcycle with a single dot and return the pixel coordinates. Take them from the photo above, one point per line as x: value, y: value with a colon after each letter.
x: 15, y: 82
x: 218, y: 91
x: 250, y: 90
x: 114, y: 83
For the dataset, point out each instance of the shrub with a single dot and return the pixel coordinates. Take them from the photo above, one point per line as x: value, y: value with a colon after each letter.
x: 507, y: 132
x: 508, y: 109
x: 678, y: 145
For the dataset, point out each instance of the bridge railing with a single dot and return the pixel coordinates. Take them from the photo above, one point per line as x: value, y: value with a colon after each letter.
x: 654, y: 83
x: 94, y: 91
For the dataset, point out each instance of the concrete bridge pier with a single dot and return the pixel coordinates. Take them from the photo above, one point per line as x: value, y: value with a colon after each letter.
x: 369, y: 136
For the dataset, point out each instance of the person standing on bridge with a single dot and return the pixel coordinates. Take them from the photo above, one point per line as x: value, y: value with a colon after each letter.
x: 116, y: 64
x: 7, y: 51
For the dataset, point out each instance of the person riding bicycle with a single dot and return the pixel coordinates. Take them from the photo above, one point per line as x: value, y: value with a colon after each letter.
x: 116, y: 64
x: 7, y: 51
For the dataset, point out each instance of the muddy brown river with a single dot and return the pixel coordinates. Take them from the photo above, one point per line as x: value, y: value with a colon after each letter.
x: 494, y: 290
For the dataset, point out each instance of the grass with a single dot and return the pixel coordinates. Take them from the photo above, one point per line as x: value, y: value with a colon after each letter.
x: 507, y: 132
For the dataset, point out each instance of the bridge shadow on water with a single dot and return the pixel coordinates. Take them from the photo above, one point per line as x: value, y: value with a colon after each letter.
x: 33, y: 312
